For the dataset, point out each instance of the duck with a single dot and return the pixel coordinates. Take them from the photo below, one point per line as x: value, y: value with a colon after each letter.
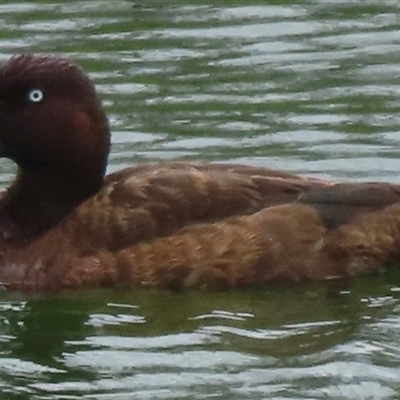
x: 64, y: 224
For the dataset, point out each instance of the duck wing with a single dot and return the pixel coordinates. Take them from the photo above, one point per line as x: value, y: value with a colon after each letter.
x: 342, y: 203
x: 141, y: 203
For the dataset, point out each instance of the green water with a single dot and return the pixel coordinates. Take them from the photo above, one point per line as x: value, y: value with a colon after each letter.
x: 310, y: 87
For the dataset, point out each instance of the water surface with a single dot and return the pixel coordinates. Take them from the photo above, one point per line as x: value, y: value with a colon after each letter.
x: 311, y: 87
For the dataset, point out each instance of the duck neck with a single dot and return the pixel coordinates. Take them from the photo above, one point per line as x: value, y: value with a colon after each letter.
x: 37, y: 201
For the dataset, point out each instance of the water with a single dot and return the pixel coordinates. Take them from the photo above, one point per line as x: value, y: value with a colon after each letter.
x: 311, y: 87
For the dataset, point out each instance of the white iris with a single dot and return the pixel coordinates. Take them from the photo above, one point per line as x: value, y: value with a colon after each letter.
x: 35, y: 96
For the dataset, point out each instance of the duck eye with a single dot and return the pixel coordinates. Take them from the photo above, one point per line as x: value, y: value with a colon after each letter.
x: 35, y: 96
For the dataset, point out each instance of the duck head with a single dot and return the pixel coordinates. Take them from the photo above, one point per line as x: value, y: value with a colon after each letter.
x: 53, y: 127
x: 50, y: 117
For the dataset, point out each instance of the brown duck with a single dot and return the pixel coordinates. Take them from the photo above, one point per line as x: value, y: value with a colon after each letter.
x: 170, y: 225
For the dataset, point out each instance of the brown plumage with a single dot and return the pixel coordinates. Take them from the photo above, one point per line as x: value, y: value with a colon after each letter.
x: 169, y: 225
